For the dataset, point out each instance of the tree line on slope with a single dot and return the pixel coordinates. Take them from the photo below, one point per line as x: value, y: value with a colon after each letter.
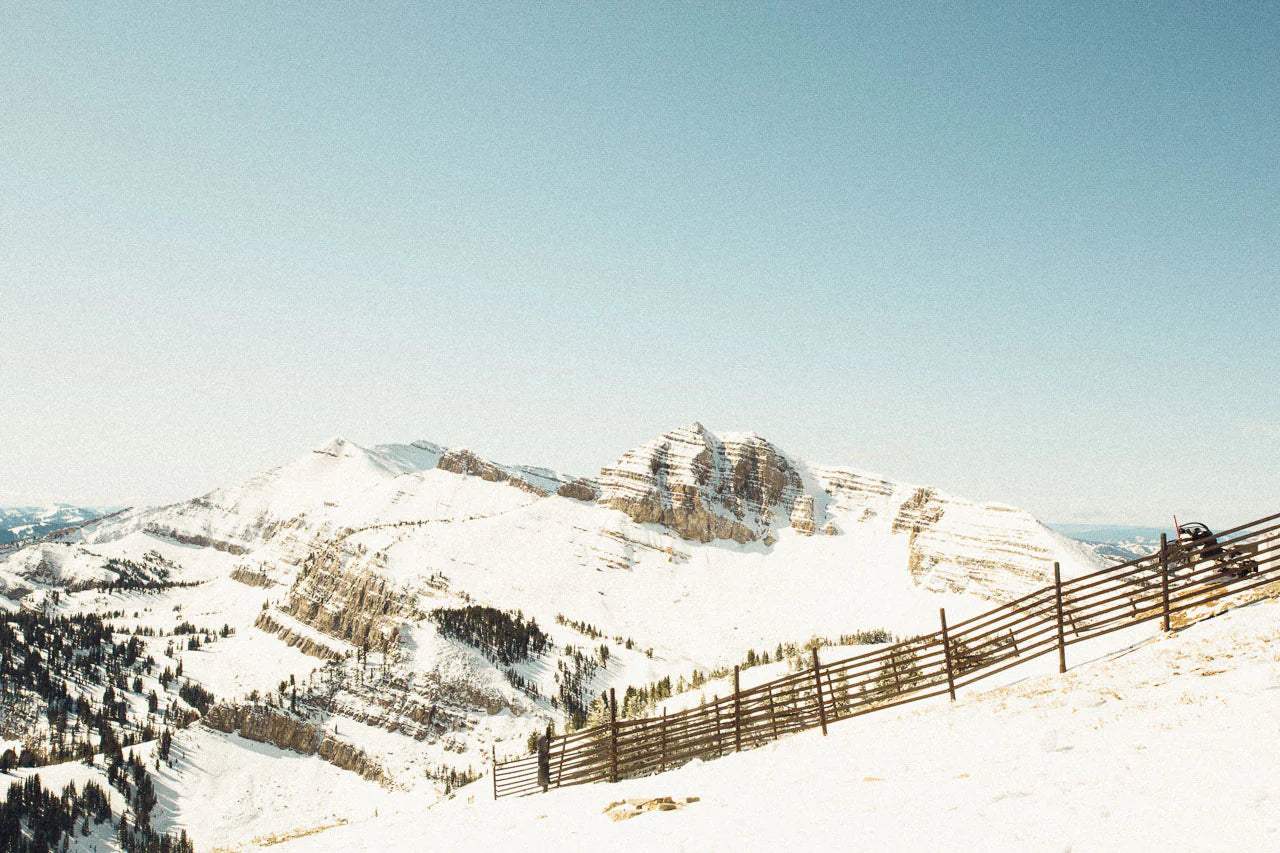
x: 53, y: 667
x: 503, y: 636
x: 34, y: 819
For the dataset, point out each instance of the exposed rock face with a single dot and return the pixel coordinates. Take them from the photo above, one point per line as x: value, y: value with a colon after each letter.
x: 250, y: 577
x: 989, y: 550
x: 267, y: 725
x: 854, y: 491
x: 352, y: 604
x: 463, y: 461
x: 701, y: 486
x: 305, y: 644
x: 802, y: 515
x: 420, y: 705
x: 633, y: 806
x: 918, y: 511
x: 200, y: 540
x: 580, y: 489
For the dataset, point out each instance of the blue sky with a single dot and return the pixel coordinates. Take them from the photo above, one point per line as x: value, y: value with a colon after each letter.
x: 1024, y: 251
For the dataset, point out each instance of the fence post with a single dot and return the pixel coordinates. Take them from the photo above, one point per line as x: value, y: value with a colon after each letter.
x: 1014, y: 639
x: 946, y: 650
x: 1164, y: 579
x: 663, y: 761
x: 773, y: 716
x: 833, y: 697
x: 493, y: 753
x: 564, y: 741
x: 817, y: 681
x: 613, y: 736
x: 1057, y: 598
x: 737, y: 711
x: 715, y: 703
x: 544, y: 760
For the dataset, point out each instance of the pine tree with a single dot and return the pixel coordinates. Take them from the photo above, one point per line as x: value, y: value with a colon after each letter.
x: 598, y: 711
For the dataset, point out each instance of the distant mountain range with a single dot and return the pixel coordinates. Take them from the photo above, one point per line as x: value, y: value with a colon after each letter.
x: 1117, y: 543
x: 26, y: 522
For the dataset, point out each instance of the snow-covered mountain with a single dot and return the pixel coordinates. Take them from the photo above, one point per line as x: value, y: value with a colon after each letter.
x: 19, y: 523
x: 398, y: 610
x: 1116, y: 543
x: 690, y: 529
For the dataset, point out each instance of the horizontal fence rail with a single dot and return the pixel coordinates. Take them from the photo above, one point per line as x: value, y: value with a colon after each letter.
x: 1177, y: 578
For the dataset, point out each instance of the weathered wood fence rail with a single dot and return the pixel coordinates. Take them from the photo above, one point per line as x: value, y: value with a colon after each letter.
x: 1171, y: 580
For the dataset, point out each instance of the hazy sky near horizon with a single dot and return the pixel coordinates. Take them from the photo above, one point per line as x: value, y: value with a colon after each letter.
x: 1024, y: 251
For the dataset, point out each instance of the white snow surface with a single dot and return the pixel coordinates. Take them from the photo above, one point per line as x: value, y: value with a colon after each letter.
x: 1166, y: 743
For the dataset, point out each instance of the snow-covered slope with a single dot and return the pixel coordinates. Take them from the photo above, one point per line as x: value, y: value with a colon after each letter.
x: 1155, y: 746
x: 701, y: 547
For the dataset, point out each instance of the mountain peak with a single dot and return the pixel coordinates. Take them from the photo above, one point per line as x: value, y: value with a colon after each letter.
x: 702, y: 486
x: 337, y: 446
x: 461, y: 460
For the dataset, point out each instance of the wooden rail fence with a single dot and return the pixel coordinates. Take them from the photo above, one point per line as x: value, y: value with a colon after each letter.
x: 1171, y: 580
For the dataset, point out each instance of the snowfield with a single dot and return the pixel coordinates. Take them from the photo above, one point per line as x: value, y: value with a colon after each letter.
x: 228, y: 792
x: 1168, y: 743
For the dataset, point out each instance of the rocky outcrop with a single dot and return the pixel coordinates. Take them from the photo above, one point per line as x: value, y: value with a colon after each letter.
x: 702, y: 486
x: 854, y: 492
x: 357, y: 605
x: 988, y: 550
x: 422, y: 705
x: 200, y: 540
x: 269, y: 725
x: 580, y: 489
x: 463, y: 461
x: 302, y: 642
x: 802, y: 515
x: 918, y: 511
x: 251, y: 577
x: 634, y: 806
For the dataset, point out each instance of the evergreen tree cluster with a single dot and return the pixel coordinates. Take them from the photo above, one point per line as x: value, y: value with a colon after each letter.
x: 637, y: 702
x: 595, y: 633
x: 866, y: 637
x: 573, y: 680
x: 152, y: 574
x: 34, y: 819
x: 502, y: 636
x: 901, y: 670
x: 196, y: 696
x: 52, y: 666
x: 968, y: 656
x: 521, y: 683
x: 452, y: 777
x: 581, y: 627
